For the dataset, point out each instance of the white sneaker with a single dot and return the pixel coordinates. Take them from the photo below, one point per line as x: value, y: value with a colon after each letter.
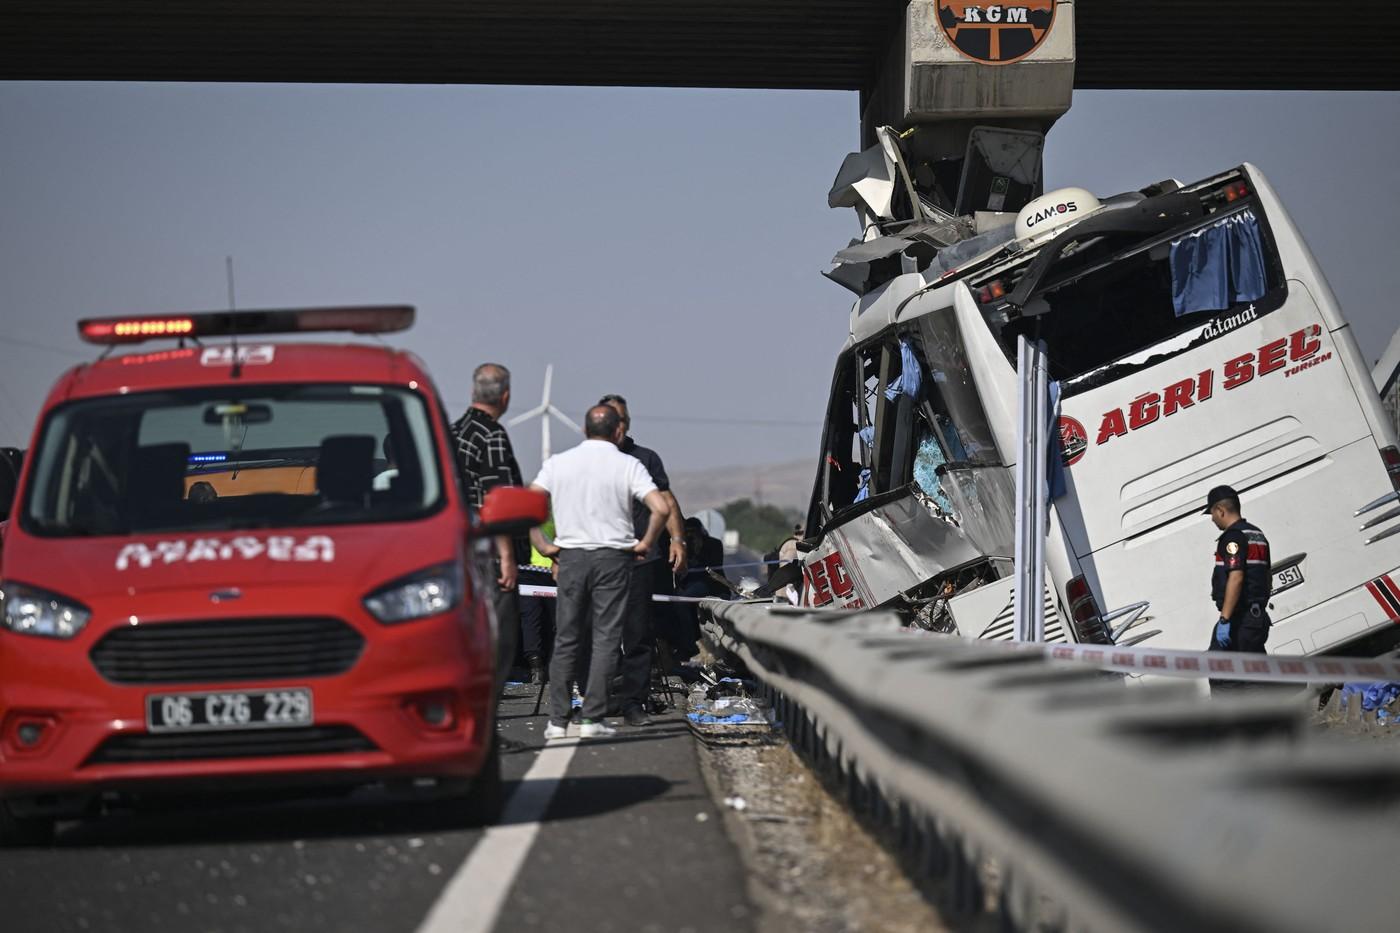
x: 552, y: 731
x: 589, y: 729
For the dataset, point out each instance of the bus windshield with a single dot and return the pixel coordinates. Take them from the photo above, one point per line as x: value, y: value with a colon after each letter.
x: 258, y: 457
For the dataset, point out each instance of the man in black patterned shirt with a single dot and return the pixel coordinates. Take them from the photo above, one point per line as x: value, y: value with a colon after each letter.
x: 487, y: 460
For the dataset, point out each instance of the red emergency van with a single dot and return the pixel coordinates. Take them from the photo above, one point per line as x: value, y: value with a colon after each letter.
x: 245, y: 563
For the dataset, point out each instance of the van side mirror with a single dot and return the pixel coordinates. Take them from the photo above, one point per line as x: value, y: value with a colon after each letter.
x: 510, y: 510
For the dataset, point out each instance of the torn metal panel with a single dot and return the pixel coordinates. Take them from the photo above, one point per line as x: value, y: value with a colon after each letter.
x: 866, y: 180
x: 871, y: 250
x: 854, y: 276
x: 885, y: 551
x: 902, y: 203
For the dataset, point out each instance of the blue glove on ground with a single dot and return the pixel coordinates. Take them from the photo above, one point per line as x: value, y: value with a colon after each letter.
x: 1222, y: 633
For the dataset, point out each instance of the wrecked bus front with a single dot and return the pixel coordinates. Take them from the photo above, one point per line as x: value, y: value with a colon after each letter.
x: 1193, y: 345
x: 912, y: 492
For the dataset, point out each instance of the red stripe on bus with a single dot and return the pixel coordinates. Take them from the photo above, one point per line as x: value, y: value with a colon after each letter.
x: 1375, y: 590
x: 1388, y: 590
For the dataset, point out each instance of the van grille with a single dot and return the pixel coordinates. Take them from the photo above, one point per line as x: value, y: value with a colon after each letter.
x: 249, y: 743
x: 227, y: 650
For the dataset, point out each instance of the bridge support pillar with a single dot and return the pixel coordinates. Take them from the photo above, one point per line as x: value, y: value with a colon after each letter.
x: 959, y: 65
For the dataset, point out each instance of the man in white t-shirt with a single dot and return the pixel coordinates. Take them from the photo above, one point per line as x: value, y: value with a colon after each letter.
x: 592, y: 488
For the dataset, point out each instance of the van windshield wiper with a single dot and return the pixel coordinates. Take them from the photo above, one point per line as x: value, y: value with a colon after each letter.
x: 72, y: 529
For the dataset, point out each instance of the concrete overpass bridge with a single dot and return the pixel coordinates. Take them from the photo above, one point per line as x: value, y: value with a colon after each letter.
x: 826, y: 44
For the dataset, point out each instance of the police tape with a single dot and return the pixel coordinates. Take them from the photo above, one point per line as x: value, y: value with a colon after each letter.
x: 1226, y: 665
x: 552, y: 592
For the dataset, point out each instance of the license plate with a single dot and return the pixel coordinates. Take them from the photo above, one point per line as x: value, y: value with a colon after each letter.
x: 229, y: 709
x: 1287, y: 578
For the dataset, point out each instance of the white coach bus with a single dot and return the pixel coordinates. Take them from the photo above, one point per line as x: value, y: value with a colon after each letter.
x: 1194, y: 342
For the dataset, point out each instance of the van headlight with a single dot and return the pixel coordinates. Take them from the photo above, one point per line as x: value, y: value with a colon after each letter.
x: 29, y: 610
x: 428, y: 592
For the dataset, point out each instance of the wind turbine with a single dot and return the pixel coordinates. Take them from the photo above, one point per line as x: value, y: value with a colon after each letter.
x: 543, y: 412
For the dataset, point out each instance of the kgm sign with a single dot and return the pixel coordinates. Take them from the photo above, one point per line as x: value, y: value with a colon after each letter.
x: 996, y: 33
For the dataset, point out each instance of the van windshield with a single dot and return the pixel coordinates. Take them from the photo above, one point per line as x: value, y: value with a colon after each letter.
x: 260, y: 457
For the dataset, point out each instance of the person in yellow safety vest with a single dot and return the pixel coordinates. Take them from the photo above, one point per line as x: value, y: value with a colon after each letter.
x: 537, y: 612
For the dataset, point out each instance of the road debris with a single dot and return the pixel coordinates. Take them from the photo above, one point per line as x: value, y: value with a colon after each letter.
x: 811, y: 866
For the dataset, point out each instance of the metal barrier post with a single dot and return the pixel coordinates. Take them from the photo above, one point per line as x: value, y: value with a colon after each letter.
x: 1032, y: 515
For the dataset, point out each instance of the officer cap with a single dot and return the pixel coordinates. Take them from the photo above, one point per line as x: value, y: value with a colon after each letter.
x: 1218, y: 493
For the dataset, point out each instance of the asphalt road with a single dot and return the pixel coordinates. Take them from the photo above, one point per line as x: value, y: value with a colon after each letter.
x: 629, y: 840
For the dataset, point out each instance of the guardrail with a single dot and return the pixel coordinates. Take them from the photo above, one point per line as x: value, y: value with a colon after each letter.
x: 1101, y: 806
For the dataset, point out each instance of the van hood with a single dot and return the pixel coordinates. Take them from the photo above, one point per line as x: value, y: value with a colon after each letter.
x: 92, y: 568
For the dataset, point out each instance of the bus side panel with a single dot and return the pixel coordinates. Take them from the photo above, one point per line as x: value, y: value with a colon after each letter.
x: 1277, y: 418
x: 1303, y: 512
x: 1299, y: 264
x: 1237, y: 410
x: 1330, y: 625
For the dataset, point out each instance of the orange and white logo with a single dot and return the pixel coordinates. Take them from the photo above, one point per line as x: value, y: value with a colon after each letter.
x: 996, y: 33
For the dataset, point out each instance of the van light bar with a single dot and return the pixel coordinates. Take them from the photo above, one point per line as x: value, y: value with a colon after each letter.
x: 365, y: 319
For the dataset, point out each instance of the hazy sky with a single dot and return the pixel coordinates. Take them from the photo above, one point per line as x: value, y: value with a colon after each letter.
x: 664, y: 244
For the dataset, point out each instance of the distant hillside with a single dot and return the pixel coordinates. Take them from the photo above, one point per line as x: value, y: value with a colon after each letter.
x: 786, y: 485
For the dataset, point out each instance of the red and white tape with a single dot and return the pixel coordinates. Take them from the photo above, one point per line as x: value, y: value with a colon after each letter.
x: 552, y: 592
x: 1226, y: 665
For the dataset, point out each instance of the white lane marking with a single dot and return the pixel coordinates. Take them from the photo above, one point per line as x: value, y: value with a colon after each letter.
x: 472, y: 900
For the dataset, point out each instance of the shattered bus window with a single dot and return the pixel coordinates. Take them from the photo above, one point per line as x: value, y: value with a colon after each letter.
x: 842, y: 455
x: 958, y: 418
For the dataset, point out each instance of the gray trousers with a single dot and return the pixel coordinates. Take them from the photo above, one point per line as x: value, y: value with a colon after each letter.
x: 634, y: 666
x: 593, y: 587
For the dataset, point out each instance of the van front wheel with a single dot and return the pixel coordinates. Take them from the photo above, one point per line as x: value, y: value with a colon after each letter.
x: 23, y: 831
x: 480, y: 800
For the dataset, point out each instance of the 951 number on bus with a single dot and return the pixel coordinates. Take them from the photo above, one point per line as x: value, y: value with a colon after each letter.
x: 1286, y: 578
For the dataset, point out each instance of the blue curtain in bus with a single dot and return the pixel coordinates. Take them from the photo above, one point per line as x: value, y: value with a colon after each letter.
x: 864, y: 492
x: 911, y: 378
x: 1218, y: 267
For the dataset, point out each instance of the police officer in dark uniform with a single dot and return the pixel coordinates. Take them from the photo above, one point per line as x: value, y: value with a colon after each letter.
x: 1242, y: 581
